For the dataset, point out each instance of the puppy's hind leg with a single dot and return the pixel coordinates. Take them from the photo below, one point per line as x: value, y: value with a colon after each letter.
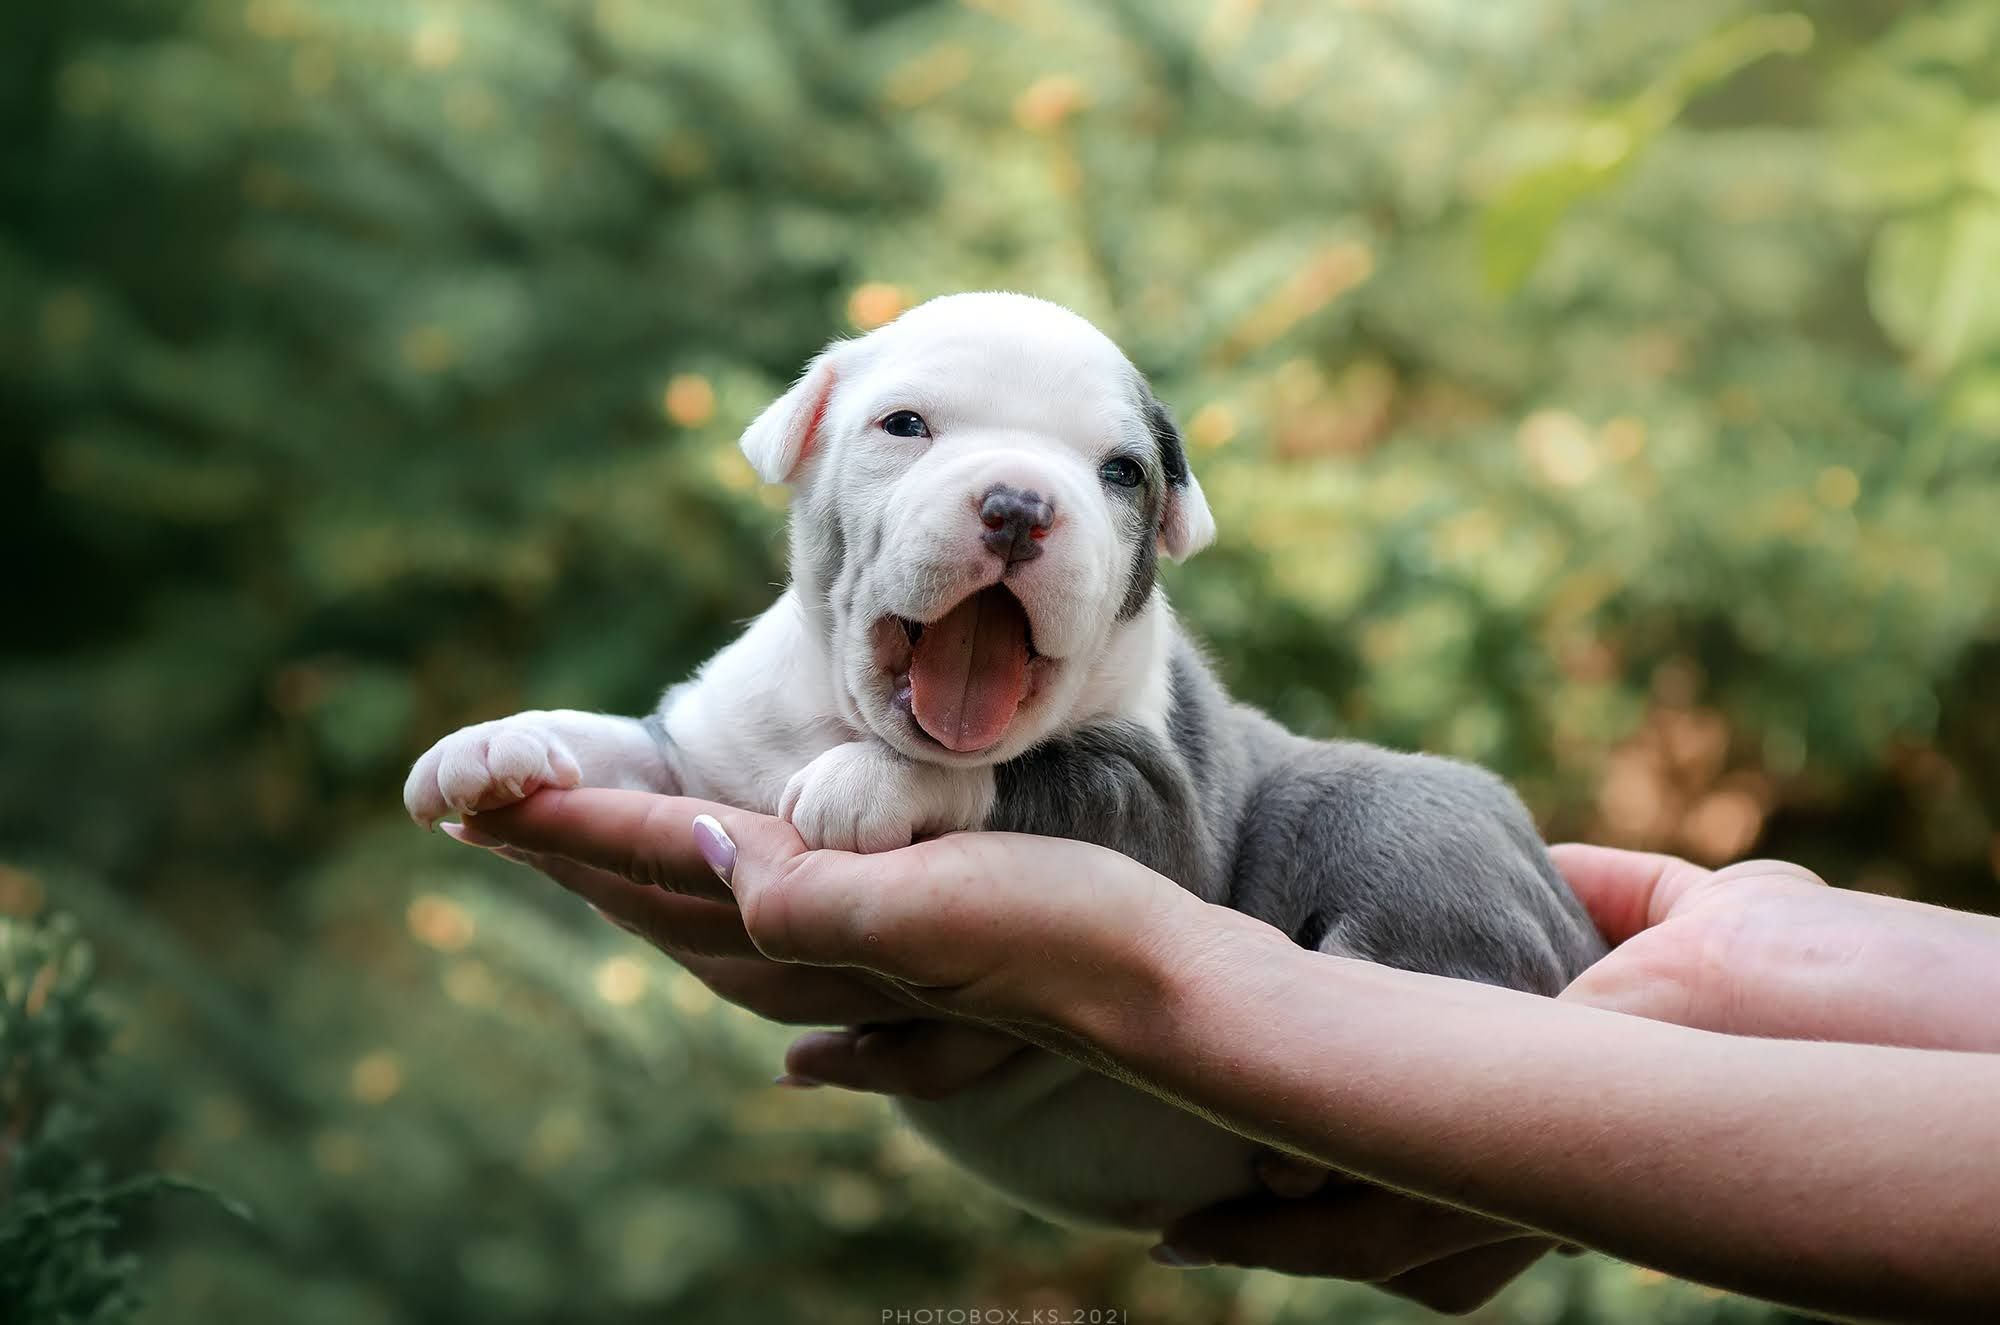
x: 1412, y: 861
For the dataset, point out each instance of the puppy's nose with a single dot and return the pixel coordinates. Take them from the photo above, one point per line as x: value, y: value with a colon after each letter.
x: 1016, y: 522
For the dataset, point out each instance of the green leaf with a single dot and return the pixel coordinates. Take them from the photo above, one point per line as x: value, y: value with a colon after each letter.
x: 1898, y: 141
x: 1934, y: 283
x: 1517, y: 227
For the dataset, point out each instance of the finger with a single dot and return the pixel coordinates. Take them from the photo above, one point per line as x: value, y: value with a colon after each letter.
x: 1468, y: 1280
x: 833, y: 908
x: 1768, y: 869
x: 641, y: 837
x: 926, y: 1060
x: 1626, y: 891
x: 953, y: 912
x: 796, y: 995
x: 1368, y: 1235
x: 1289, y: 1176
x: 678, y: 925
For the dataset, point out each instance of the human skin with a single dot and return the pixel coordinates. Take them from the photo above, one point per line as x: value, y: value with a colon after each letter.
x: 1762, y: 948
x: 1635, y: 1115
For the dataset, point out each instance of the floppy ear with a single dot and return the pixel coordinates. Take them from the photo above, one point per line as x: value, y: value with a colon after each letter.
x: 779, y: 441
x: 1186, y: 527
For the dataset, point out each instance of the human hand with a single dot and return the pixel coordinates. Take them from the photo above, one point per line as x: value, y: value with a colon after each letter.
x: 969, y: 926
x: 1644, y: 1153
x: 1758, y: 948
x: 1762, y: 948
x: 941, y: 927
x: 1312, y: 1223
x: 634, y: 858
x: 1765, y: 948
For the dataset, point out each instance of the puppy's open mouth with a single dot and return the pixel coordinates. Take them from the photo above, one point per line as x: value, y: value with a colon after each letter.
x: 963, y: 676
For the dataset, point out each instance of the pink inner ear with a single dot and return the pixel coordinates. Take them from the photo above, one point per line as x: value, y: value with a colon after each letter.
x: 818, y: 417
x: 1174, y: 535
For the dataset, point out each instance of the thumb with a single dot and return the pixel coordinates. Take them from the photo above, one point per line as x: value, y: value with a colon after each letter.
x: 1626, y: 892
x: 996, y: 926
x: 830, y: 908
x: 959, y: 910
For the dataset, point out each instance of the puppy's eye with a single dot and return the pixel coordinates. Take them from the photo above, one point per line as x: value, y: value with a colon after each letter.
x: 906, y: 423
x: 1122, y: 472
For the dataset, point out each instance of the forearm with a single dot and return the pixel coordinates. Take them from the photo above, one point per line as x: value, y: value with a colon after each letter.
x: 1829, y: 1176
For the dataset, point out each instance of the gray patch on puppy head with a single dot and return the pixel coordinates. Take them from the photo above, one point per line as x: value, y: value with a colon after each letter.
x: 1140, y: 578
x: 1167, y: 438
x: 1171, y: 457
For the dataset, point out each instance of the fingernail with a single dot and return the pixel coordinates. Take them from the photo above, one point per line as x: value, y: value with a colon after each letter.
x: 793, y: 1081
x: 1169, y: 1255
x: 472, y: 837
x: 715, y: 847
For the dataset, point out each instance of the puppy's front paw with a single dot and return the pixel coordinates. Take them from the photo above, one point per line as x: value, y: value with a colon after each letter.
x: 852, y: 798
x: 863, y: 796
x: 486, y: 766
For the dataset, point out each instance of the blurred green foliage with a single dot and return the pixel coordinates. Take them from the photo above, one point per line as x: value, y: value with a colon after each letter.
x: 61, y: 1208
x: 54, y: 1261
x: 1608, y: 393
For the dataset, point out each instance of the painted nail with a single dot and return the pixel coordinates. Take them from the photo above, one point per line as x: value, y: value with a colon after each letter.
x: 793, y: 1081
x: 472, y: 837
x: 715, y: 847
x: 1169, y: 1255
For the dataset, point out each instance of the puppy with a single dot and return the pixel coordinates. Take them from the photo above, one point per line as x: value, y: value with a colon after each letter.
x: 973, y: 638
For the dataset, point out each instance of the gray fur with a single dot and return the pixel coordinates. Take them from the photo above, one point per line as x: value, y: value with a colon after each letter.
x: 1115, y: 784
x: 1408, y: 860
x: 1144, y: 574
x: 1353, y: 850
x: 1169, y: 469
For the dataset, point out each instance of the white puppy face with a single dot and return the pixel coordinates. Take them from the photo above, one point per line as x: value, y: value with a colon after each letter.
x: 980, y: 492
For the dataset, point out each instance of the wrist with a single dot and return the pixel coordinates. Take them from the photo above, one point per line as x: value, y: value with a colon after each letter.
x: 1188, y: 962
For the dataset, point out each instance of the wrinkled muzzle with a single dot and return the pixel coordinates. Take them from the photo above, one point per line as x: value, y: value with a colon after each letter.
x: 994, y: 567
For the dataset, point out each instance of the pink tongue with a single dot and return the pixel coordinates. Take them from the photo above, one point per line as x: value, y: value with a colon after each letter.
x: 969, y: 671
